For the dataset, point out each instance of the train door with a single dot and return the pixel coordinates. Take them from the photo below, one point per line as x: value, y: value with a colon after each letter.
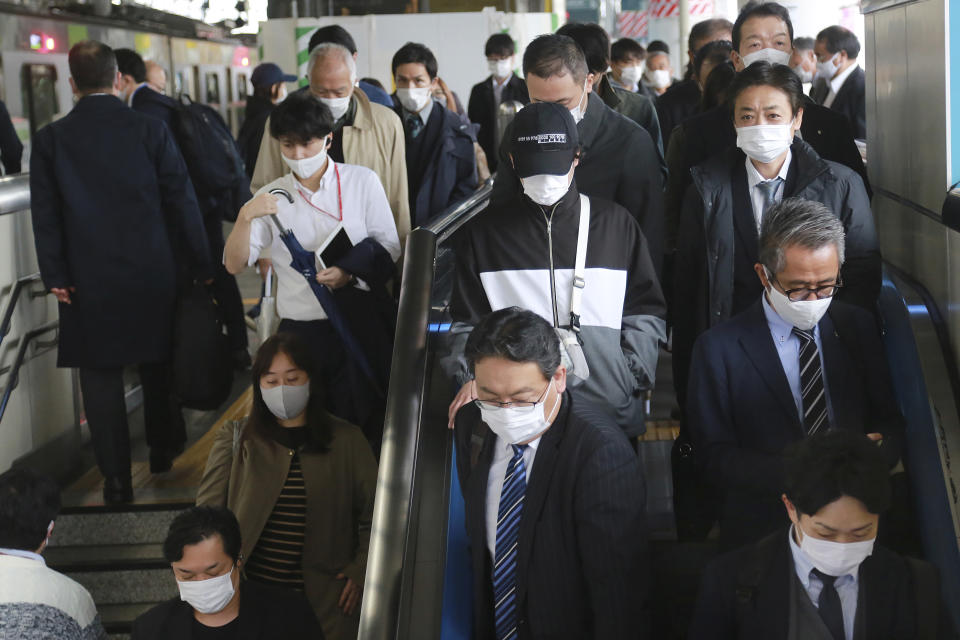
x: 213, y: 87
x: 240, y: 88
x: 185, y: 81
x: 36, y: 91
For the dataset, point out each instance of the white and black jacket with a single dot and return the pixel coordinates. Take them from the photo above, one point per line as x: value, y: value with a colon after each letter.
x: 504, y: 259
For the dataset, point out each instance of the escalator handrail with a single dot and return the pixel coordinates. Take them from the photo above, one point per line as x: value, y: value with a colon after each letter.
x: 14, y: 193
x: 459, y: 214
x: 7, y: 318
x: 14, y: 376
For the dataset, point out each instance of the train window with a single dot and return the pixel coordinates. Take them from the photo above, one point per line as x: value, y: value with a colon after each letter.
x: 241, y: 87
x: 38, y: 84
x: 180, y: 84
x: 213, y: 88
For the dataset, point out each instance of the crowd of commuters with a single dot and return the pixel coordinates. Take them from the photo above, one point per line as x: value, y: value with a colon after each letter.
x: 729, y: 206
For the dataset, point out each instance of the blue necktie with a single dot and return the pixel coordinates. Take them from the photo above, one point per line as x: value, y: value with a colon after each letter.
x: 505, y: 556
x: 414, y: 124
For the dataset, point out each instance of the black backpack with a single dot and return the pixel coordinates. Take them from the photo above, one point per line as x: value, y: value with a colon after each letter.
x: 213, y: 160
x: 202, y: 368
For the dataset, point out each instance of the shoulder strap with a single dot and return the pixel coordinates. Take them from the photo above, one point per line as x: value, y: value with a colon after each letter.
x: 750, y: 573
x: 579, y: 269
x: 927, y: 591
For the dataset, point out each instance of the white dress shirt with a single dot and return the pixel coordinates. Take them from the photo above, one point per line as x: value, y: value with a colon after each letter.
x: 847, y: 586
x: 754, y: 178
x: 836, y: 83
x: 502, y: 453
x: 366, y: 213
x: 423, y: 113
x: 498, y: 86
x: 788, y: 349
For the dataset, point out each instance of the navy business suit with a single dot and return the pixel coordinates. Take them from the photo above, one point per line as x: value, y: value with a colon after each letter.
x: 581, y: 562
x: 850, y: 101
x: 742, y: 414
x: 482, y: 110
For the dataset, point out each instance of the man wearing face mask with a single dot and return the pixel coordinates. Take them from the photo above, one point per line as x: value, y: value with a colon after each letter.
x: 37, y: 602
x: 203, y: 548
x: 803, y: 60
x: 657, y: 74
x: 619, y: 160
x: 796, y: 362
x: 523, y: 253
x: 824, y: 577
x: 840, y: 80
x: 441, y: 164
x: 503, y: 85
x: 626, y: 64
x: 555, y: 499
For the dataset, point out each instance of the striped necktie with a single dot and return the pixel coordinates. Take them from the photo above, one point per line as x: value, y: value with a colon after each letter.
x: 768, y: 190
x: 505, y: 556
x: 812, y: 392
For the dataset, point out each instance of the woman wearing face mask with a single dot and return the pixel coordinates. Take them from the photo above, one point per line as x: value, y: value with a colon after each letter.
x: 723, y: 208
x: 301, y: 483
x: 328, y: 200
x: 269, y: 90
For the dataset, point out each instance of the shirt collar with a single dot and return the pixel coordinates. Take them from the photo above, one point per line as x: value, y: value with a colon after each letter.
x: 837, y: 82
x: 804, y: 566
x: 505, y: 449
x: 325, y: 181
x: 753, y: 176
x: 497, y: 84
x: 424, y: 113
x: 23, y: 553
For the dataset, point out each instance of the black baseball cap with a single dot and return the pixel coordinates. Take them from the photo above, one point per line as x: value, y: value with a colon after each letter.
x: 545, y: 140
x: 269, y: 74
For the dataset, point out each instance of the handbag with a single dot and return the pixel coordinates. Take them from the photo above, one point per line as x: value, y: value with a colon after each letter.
x: 571, y: 340
x: 202, y: 369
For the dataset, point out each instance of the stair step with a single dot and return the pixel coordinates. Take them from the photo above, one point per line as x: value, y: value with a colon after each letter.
x: 128, y: 586
x: 107, y: 526
x: 118, y: 619
x: 107, y: 557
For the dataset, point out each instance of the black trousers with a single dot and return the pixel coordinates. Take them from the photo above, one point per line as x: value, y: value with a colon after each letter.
x: 106, y: 411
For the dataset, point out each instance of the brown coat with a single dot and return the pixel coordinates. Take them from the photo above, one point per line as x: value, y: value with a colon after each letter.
x: 340, y: 488
x: 375, y: 140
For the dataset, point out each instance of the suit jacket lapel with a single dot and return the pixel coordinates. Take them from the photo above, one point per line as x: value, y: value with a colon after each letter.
x: 834, y: 358
x: 743, y: 218
x: 758, y: 345
x: 477, y: 490
x: 773, y: 599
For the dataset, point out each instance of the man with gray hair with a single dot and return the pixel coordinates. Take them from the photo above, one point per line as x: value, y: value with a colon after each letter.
x: 793, y: 364
x: 365, y: 134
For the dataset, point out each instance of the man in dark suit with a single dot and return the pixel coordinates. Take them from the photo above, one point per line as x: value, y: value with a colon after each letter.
x: 842, y: 85
x: 110, y: 198
x: 11, y: 149
x: 790, y: 366
x: 824, y: 578
x: 503, y: 85
x: 441, y: 164
x: 555, y: 499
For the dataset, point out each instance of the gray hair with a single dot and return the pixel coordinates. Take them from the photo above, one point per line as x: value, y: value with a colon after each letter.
x: 798, y: 222
x: 324, y: 49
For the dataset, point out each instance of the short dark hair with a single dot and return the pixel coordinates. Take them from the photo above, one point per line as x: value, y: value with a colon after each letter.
x: 129, y: 63
x: 413, y: 53
x: 93, y: 65
x: 517, y: 335
x: 625, y: 48
x: 28, y: 502
x: 708, y: 29
x: 715, y: 89
x: 594, y: 42
x: 762, y: 73
x: 301, y: 118
x: 332, y: 33
x: 499, y: 44
x: 760, y: 10
x: 553, y: 55
x: 716, y: 51
x: 802, y: 43
x: 829, y: 465
x: 658, y: 45
x: 197, y: 524
x: 318, y: 431
x: 837, y: 38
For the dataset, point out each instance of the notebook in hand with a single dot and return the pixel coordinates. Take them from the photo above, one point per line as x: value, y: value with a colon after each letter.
x: 335, y: 247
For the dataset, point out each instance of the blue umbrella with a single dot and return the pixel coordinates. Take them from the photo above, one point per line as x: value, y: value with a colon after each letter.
x: 304, y: 262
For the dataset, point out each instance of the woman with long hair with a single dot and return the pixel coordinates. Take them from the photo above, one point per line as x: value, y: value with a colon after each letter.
x: 301, y: 483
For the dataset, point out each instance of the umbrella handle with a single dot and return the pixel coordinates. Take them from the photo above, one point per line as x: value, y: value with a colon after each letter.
x: 286, y: 194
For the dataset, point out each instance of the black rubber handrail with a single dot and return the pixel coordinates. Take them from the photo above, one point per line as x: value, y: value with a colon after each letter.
x: 14, y: 376
x: 7, y: 318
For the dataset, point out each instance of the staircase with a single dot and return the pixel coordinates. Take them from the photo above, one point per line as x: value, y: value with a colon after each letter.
x: 116, y: 553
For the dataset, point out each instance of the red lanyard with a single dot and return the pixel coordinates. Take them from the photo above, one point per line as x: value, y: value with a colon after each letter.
x: 339, y: 196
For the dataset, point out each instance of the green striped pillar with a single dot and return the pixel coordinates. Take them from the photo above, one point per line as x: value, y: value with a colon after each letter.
x: 303, y: 53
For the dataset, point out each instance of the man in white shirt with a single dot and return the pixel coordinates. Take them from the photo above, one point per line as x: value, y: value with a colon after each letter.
x: 37, y: 602
x: 841, y: 84
x: 326, y: 199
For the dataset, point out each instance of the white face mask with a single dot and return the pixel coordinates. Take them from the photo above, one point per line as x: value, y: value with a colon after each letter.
x: 835, y: 558
x: 803, y: 315
x: 338, y: 106
x: 630, y: 76
x: 578, y: 111
x: 208, y: 596
x: 286, y: 401
x: 518, y: 425
x: 828, y: 69
x: 306, y: 167
x: 765, y: 142
x: 546, y: 189
x: 658, y: 79
x: 415, y: 99
x: 804, y: 75
x: 500, y: 69
x: 773, y: 56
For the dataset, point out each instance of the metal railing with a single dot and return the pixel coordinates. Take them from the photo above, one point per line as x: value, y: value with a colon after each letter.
x: 388, y: 586
x: 14, y: 193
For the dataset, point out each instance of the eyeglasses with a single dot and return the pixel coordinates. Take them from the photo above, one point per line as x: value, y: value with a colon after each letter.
x: 522, y: 407
x: 803, y: 293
